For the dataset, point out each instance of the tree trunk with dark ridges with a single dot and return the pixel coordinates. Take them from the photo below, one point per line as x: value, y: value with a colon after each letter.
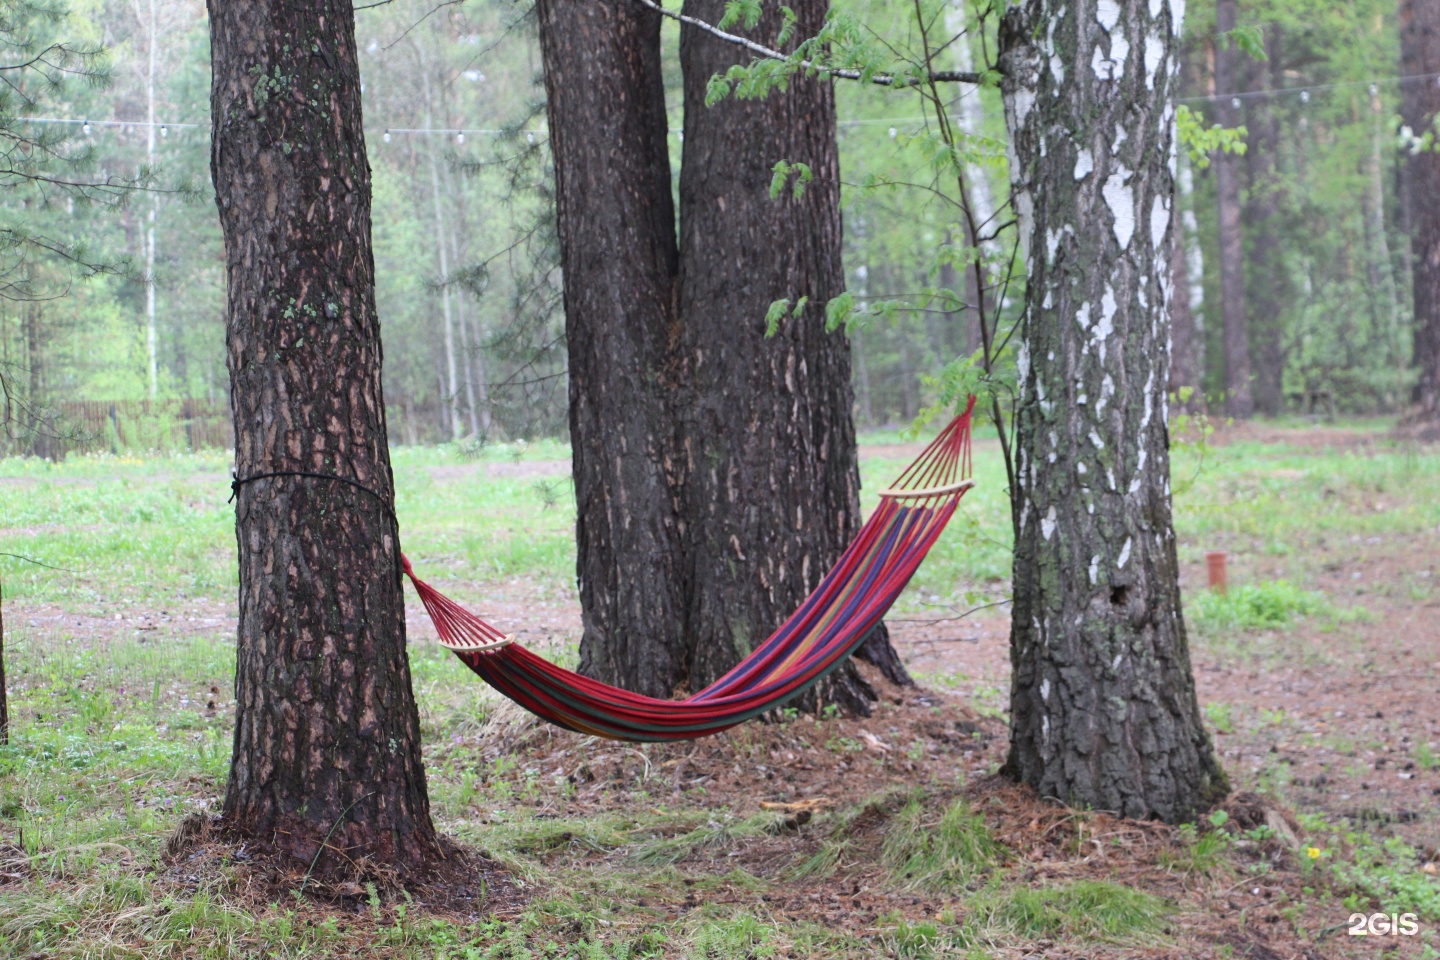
x: 772, y: 498
x: 327, y: 735
x: 1103, y: 705
x: 1420, y: 55
x: 1236, y: 331
x: 619, y: 258
x: 1266, y: 276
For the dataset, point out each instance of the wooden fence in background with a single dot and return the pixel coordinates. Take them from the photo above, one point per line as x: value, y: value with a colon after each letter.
x: 136, y: 426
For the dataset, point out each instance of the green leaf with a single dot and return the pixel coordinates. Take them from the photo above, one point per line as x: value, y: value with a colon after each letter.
x: 716, y: 90
x: 839, y: 311
x: 740, y: 11
x: 788, y: 29
x: 1201, y: 141
x: 774, y: 315
x: 1249, y: 40
x: 780, y: 175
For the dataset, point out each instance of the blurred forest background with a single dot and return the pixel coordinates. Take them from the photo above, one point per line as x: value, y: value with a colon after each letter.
x: 469, y: 290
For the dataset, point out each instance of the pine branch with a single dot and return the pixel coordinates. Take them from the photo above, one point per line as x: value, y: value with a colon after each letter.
x: 760, y: 50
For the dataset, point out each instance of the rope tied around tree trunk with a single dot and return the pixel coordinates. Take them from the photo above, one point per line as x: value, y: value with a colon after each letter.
x: 237, y: 482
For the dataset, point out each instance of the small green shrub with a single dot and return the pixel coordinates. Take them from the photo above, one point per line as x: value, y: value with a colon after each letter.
x: 1259, y: 606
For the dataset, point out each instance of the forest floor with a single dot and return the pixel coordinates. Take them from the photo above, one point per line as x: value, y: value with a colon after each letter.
x: 890, y: 835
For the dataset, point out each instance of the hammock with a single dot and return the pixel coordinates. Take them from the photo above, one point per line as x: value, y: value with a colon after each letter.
x: 832, y: 622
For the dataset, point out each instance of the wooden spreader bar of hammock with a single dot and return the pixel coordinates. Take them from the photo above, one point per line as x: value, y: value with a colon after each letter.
x: 927, y: 492
x: 831, y: 623
x: 491, y: 647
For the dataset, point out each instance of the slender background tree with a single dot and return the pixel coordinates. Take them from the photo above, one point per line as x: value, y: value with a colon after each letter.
x: 1420, y: 57
x: 1228, y: 82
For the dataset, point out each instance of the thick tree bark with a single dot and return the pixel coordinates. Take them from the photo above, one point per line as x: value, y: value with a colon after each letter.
x: 715, y: 470
x: 772, y: 497
x: 327, y: 735
x: 1236, y: 334
x: 1266, y: 277
x: 620, y: 261
x: 1420, y: 55
x: 1103, y: 706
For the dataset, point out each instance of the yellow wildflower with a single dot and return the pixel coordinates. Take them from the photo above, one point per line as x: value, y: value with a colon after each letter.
x: 1313, y: 852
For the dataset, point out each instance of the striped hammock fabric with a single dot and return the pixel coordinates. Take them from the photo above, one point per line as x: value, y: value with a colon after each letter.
x: 829, y: 626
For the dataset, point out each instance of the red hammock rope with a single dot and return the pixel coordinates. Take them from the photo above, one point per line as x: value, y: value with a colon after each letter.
x: 831, y: 623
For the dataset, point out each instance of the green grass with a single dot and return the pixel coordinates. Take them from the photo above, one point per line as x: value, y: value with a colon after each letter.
x: 1087, y: 909
x: 941, y: 854
x: 113, y: 744
x: 1258, y: 606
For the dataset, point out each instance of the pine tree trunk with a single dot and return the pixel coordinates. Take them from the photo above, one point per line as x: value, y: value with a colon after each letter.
x: 772, y: 497
x: 327, y: 735
x: 1184, y: 338
x: 1267, y: 287
x: 616, y: 222
x: 1420, y: 55
x: 1103, y: 705
x: 1236, y: 334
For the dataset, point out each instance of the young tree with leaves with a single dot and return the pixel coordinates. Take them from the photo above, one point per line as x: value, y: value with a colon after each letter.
x: 1103, y: 706
x: 326, y: 768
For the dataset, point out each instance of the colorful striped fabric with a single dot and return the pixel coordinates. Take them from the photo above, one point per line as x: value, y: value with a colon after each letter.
x: 829, y: 626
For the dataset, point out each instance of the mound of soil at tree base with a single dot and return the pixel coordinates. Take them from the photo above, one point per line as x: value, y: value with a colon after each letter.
x: 466, y: 885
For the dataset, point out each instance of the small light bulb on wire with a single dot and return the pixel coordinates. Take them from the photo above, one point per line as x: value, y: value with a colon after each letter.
x: 459, y: 138
x: 1235, y: 102
x: 894, y: 133
x: 85, y: 128
x: 1374, y: 89
x: 529, y: 137
x: 164, y: 133
x: 386, y: 138
x: 1304, y: 96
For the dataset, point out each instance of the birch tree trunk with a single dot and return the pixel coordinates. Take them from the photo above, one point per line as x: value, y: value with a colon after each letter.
x: 1103, y: 706
x: 327, y: 735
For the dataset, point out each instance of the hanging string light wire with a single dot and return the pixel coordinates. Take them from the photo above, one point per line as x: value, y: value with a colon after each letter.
x: 459, y: 133
x: 1305, y: 91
